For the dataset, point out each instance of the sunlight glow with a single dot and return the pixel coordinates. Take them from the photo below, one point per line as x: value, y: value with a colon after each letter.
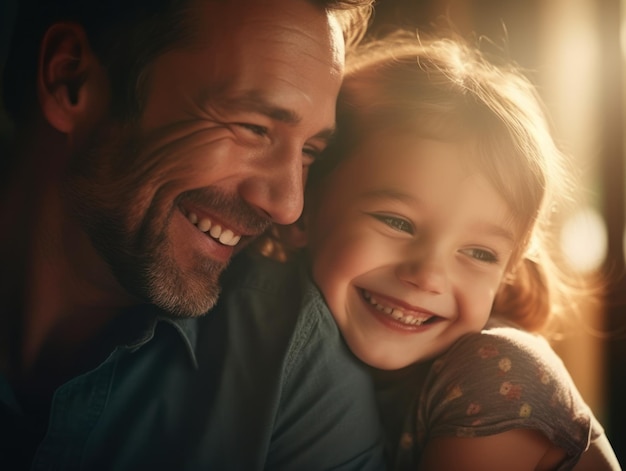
x: 584, y: 239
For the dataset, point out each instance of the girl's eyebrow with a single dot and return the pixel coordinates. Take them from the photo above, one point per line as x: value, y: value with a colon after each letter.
x: 388, y: 193
x: 497, y: 230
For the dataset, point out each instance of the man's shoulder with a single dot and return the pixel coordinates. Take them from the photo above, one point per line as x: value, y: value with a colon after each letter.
x: 277, y: 299
x: 268, y: 311
x: 256, y: 272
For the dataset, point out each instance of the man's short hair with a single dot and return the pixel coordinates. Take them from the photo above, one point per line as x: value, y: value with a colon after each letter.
x: 126, y: 35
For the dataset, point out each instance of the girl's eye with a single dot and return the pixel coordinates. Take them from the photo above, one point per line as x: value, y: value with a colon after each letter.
x: 482, y: 255
x: 396, y: 223
x: 254, y: 128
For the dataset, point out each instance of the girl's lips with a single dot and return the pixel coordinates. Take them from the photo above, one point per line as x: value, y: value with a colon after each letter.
x: 398, y: 311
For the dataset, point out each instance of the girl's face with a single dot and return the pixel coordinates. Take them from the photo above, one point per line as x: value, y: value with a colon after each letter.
x: 409, y: 248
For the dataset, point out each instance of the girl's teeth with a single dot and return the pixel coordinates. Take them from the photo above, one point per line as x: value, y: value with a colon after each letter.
x: 193, y: 218
x: 396, y: 314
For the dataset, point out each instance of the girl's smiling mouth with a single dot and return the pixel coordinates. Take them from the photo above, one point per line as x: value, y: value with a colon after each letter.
x: 397, y: 313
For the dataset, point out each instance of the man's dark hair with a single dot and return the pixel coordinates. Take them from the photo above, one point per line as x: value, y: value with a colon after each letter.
x: 126, y: 35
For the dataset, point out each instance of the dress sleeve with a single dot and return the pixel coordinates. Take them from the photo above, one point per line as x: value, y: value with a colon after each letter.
x: 503, y: 379
x: 327, y: 418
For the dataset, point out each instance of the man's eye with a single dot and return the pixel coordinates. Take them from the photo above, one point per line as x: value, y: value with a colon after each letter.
x: 482, y: 255
x: 256, y: 129
x: 396, y: 223
x: 311, y: 155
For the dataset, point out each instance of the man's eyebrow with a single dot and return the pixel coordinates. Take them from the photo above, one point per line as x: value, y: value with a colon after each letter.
x: 325, y: 134
x: 252, y: 101
x: 255, y: 102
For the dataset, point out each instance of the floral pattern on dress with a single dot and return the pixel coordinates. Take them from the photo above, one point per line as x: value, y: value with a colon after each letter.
x: 494, y: 381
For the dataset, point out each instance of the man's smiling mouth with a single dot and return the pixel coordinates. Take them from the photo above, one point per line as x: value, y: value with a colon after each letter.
x: 397, y: 313
x: 214, y: 230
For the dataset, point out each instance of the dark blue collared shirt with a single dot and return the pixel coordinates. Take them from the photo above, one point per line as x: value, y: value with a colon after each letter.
x: 264, y: 381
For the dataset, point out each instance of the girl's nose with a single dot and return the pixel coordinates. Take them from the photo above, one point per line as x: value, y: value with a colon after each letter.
x: 424, y: 270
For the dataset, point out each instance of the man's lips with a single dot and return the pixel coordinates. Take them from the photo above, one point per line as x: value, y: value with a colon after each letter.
x: 224, y: 219
x: 402, y: 314
x: 218, y: 231
x: 213, y: 229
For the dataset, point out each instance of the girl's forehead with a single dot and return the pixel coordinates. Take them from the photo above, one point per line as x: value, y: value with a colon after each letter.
x: 387, y: 142
x: 403, y: 155
x: 491, y: 156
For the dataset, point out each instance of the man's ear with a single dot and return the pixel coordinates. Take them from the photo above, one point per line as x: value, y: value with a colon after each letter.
x: 67, y: 74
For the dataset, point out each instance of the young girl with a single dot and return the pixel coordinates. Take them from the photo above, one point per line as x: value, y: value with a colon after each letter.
x: 428, y: 227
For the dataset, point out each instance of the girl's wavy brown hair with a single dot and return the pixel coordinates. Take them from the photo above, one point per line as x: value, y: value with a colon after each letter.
x: 446, y: 90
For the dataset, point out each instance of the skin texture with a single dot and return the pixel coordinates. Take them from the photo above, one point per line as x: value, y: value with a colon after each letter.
x: 404, y: 222
x: 226, y: 134
x: 231, y: 121
x: 412, y: 245
x: 515, y: 450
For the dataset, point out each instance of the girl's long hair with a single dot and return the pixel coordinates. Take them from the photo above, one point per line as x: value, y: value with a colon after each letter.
x: 443, y: 89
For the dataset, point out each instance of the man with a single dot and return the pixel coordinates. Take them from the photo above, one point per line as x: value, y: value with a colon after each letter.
x: 154, y: 139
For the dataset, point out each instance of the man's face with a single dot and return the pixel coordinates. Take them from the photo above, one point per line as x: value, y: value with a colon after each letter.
x: 230, y: 124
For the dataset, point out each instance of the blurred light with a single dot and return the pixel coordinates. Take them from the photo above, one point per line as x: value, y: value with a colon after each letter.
x: 572, y: 49
x: 622, y: 32
x: 584, y: 239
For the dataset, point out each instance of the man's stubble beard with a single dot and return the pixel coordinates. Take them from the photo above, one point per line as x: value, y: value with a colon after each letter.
x: 140, y: 256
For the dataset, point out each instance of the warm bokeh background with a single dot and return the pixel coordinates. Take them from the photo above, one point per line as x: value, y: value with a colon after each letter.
x: 574, y: 51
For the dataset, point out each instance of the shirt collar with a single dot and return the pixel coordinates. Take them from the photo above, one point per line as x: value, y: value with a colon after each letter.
x: 187, y: 329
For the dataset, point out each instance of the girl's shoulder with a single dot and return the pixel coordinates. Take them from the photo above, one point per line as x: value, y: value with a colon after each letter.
x: 511, y: 367
x: 500, y: 379
x: 499, y: 342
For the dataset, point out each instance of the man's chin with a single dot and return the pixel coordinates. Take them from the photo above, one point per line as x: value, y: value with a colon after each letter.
x: 184, y: 293
x: 187, y: 307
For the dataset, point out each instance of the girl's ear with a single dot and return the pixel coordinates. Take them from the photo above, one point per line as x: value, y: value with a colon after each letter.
x: 71, y: 85
x: 524, y: 299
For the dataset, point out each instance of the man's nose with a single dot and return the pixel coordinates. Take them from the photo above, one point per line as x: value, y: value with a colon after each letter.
x: 425, y: 270
x: 276, y: 185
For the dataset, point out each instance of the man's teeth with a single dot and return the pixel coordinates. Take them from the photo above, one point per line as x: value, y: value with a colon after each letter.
x: 394, y: 312
x: 224, y: 236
